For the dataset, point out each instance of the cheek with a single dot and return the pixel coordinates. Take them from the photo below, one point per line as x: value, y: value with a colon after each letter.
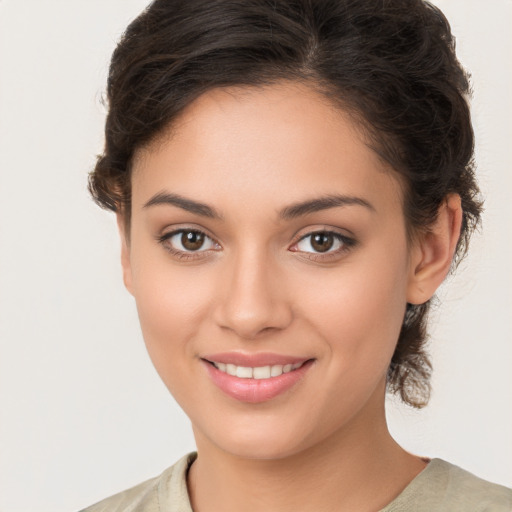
x: 171, y: 303
x: 358, y: 310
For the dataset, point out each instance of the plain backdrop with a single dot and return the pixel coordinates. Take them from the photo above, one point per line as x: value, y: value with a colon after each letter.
x: 82, y: 412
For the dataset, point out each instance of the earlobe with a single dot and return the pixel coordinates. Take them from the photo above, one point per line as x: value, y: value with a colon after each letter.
x: 125, y: 253
x: 433, y: 252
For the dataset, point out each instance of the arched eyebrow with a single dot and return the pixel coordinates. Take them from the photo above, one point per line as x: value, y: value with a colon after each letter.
x: 289, y: 212
x: 322, y: 203
x: 188, y: 205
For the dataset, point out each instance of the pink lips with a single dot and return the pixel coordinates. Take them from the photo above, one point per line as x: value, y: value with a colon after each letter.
x: 255, y: 390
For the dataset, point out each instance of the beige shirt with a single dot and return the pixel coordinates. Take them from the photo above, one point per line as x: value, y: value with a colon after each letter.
x: 440, y: 487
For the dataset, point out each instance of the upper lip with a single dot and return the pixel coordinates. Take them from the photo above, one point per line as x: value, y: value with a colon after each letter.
x: 254, y: 360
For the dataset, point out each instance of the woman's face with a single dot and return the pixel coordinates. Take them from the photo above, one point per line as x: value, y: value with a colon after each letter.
x: 268, y: 241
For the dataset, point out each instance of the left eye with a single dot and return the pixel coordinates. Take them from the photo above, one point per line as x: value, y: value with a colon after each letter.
x: 189, y: 241
x: 320, y: 242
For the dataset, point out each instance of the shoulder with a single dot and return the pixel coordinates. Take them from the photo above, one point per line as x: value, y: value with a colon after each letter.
x: 444, y: 486
x: 166, y: 492
x: 471, y: 491
x: 142, y: 497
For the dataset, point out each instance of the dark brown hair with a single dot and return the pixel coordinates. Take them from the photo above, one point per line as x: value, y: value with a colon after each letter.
x: 390, y: 63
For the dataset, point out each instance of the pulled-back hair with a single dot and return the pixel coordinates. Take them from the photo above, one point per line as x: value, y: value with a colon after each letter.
x: 391, y: 64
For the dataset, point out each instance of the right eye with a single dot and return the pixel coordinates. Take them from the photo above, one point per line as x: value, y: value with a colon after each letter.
x: 186, y: 241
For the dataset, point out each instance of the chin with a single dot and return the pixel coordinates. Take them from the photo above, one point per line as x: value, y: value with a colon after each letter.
x: 257, y: 441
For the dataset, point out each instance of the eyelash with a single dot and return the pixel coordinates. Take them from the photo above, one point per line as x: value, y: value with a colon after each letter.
x: 165, y: 240
x: 347, y: 243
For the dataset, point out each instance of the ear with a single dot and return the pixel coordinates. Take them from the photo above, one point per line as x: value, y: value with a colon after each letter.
x: 125, y: 252
x: 432, y: 252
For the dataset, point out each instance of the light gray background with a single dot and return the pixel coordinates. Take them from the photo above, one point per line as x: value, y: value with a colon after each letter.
x: 82, y: 412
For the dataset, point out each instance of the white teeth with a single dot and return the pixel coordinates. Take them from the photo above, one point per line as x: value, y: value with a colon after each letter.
x: 259, y: 372
x: 244, y: 372
x: 276, y: 370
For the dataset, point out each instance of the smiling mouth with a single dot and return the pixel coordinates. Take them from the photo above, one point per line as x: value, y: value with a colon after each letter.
x: 258, y: 383
x: 258, y: 372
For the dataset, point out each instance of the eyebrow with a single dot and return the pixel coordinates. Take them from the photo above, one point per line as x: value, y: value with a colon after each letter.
x: 189, y: 205
x: 289, y: 212
x: 322, y: 203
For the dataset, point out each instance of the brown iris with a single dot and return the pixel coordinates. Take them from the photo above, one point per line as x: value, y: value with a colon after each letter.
x: 192, y: 240
x: 322, y: 242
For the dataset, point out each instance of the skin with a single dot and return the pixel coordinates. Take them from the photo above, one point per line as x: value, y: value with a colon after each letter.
x: 259, y: 286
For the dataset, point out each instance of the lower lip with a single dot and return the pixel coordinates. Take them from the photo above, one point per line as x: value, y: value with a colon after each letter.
x: 256, y: 390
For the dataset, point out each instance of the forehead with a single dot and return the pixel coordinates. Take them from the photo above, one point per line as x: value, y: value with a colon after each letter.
x: 269, y: 144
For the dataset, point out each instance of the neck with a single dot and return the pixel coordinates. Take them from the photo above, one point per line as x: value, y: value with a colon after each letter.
x: 358, y: 468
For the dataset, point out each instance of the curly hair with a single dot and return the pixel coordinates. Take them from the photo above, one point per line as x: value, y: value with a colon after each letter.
x: 390, y: 63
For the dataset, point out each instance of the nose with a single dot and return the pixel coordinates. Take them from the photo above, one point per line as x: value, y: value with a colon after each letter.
x: 252, y: 298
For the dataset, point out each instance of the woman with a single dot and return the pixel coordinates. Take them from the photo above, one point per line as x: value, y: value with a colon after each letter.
x: 292, y: 181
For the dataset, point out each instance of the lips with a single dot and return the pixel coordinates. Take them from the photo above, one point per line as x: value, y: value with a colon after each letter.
x: 255, y: 378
